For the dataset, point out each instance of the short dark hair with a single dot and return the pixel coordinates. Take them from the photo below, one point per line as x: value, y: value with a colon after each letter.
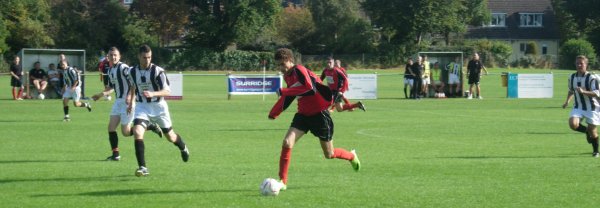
x: 114, y: 49
x: 37, y: 62
x: 51, y: 64
x: 145, y: 49
x: 284, y: 54
x: 582, y: 57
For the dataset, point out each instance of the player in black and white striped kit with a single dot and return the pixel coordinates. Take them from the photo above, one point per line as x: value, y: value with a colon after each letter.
x: 149, y: 85
x: 117, y: 82
x: 71, y: 89
x: 583, y: 86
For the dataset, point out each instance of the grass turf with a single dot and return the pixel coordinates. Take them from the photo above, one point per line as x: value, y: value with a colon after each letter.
x: 495, y: 152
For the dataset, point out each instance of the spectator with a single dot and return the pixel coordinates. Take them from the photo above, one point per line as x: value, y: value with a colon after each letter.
x: 474, y: 73
x: 436, y: 81
x: 16, y: 78
x: 417, y: 69
x: 408, y: 78
x: 54, y: 76
x: 426, y: 77
x: 454, y: 68
x: 38, y: 78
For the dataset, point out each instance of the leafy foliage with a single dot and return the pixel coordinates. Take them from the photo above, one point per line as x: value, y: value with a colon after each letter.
x: 574, y: 47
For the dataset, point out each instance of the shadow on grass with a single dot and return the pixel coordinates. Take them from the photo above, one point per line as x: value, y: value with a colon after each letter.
x: 248, y: 130
x: 127, y: 192
x: 82, y: 179
x: 548, y: 133
x: 515, y: 157
x: 29, y: 121
x: 45, y: 161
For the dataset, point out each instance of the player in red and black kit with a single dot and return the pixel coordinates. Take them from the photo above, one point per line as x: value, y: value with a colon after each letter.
x: 313, y: 100
x: 104, y: 68
x: 338, y: 83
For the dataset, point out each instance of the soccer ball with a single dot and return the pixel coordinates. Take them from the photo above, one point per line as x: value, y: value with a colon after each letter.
x: 41, y: 96
x: 270, y: 187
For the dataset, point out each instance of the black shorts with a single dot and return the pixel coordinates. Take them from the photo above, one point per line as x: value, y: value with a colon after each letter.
x: 105, y: 80
x: 319, y: 125
x: 337, y: 98
x: 16, y: 82
x: 474, y: 78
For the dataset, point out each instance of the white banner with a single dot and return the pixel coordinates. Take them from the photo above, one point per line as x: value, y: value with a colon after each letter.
x: 530, y: 86
x: 176, y: 84
x: 362, y: 86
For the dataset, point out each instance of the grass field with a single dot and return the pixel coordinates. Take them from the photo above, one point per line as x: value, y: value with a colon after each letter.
x: 495, y: 152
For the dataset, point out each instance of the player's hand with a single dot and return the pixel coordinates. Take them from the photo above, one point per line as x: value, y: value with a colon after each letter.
x: 96, y: 96
x: 271, y: 118
x: 73, y: 88
x: 565, y: 105
x: 579, y: 89
x: 278, y: 92
x: 148, y: 94
x: 129, y: 107
x: 340, y: 93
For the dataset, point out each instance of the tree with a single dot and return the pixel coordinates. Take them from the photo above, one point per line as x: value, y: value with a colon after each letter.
x: 579, y: 20
x: 295, y: 26
x: 217, y: 24
x: 167, y: 17
x: 25, y: 21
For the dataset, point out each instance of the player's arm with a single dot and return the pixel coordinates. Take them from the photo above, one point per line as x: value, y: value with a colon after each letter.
x: 303, y: 88
x: 484, y: 69
x: 107, y: 91
x: 569, y: 97
x: 593, y: 92
x: 323, y: 76
x: 282, y: 103
x: 342, y: 81
x: 163, y: 84
x: 14, y: 75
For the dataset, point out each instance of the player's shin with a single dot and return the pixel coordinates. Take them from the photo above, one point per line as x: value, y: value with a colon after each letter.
x: 139, y: 152
x: 113, y: 138
x: 284, y: 163
x: 342, y: 154
x: 179, y: 142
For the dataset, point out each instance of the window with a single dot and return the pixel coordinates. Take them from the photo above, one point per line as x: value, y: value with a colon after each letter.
x: 498, y: 20
x: 544, y: 49
x: 127, y: 1
x: 531, y: 19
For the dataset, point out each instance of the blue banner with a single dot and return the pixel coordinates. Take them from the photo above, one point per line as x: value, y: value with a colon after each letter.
x: 253, y: 84
x: 513, y: 86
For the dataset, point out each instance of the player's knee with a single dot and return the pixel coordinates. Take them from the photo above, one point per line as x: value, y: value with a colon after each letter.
x: 328, y: 154
x: 287, y: 144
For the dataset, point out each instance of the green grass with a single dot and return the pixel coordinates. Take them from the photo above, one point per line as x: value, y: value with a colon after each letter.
x: 495, y: 152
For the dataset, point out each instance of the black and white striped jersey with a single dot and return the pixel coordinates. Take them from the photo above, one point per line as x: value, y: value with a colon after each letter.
x: 71, y: 77
x: 588, y: 82
x: 117, y: 77
x: 454, y: 68
x: 152, y: 79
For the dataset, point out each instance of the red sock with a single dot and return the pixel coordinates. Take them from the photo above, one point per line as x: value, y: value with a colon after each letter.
x: 14, y: 95
x: 284, y: 163
x: 342, y: 154
x: 349, y: 106
x: 20, y: 95
x: 346, y: 100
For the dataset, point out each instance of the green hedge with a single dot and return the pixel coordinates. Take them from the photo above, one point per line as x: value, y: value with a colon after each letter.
x: 574, y: 47
x: 235, y: 60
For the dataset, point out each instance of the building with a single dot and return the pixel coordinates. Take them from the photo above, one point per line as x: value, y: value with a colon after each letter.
x: 521, y: 21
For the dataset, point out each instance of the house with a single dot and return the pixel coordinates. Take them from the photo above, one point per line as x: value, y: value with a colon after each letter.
x: 521, y: 21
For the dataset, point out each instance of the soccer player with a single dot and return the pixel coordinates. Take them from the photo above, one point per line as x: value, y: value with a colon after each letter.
x: 148, y: 85
x: 313, y: 100
x: 437, y: 83
x: 118, y: 83
x: 338, y: 83
x: 454, y: 69
x: 426, y: 76
x: 338, y: 64
x: 474, y: 68
x: 71, y: 89
x: 409, y: 78
x: 584, y: 87
x: 16, y: 78
x: 417, y: 69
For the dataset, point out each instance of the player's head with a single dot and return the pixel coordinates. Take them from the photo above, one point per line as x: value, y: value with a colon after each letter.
x: 284, y: 58
x: 338, y: 63
x: 475, y: 56
x: 51, y: 66
x: 114, y: 55
x: 330, y: 63
x: 145, y: 56
x: 62, y: 64
x: 410, y: 61
x: 36, y: 65
x: 424, y: 57
x: 581, y: 63
x: 17, y: 59
x: 419, y: 59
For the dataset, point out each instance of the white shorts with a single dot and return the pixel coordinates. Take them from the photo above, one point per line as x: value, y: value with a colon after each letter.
x: 155, y: 112
x: 73, y: 94
x: 591, y: 117
x: 408, y: 81
x: 426, y: 81
x: 453, y: 79
x: 119, y: 108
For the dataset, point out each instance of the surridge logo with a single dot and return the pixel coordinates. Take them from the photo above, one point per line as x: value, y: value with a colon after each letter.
x: 253, y: 83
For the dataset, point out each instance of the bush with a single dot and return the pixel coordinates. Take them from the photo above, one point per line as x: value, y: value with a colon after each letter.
x: 574, y: 47
x: 235, y: 60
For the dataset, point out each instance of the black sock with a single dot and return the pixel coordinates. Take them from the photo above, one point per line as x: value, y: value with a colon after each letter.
x: 595, y: 144
x: 179, y: 143
x: 139, y: 152
x: 581, y: 128
x: 83, y: 105
x: 113, y: 138
x: 405, y: 95
x: 66, y: 110
x: 151, y: 127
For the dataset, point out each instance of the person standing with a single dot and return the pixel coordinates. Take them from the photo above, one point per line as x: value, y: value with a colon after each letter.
x: 454, y: 70
x: 417, y: 70
x: 16, y: 78
x: 426, y: 77
x: 71, y: 89
x: 118, y: 83
x: 584, y: 87
x: 149, y: 85
x: 338, y: 84
x: 409, y: 78
x: 313, y: 100
x: 474, y: 68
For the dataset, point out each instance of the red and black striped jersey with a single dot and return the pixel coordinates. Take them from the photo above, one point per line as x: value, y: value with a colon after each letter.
x: 336, y: 79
